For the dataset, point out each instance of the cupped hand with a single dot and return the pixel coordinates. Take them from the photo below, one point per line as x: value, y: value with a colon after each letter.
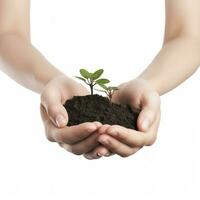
x: 78, y: 139
x: 142, y: 98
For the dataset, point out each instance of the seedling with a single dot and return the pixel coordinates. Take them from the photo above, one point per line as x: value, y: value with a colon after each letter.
x: 92, y: 79
x: 108, y: 90
x: 99, y: 107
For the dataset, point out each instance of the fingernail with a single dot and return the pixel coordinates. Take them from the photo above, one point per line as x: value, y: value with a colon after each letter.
x: 60, y: 121
x: 89, y: 157
x: 145, y: 124
x: 99, y: 154
x: 107, y: 154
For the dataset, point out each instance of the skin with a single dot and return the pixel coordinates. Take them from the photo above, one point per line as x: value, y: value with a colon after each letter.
x: 178, y: 59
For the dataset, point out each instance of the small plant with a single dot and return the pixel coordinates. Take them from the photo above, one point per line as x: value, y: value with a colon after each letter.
x: 100, y: 108
x: 108, y: 90
x: 92, y: 79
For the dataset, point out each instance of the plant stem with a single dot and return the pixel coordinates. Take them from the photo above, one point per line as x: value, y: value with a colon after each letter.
x: 91, y: 89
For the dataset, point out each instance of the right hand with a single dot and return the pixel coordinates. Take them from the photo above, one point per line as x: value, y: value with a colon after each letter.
x: 140, y: 95
x: 78, y: 139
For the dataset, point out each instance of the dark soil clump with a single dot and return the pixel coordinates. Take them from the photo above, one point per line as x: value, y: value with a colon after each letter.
x: 91, y: 108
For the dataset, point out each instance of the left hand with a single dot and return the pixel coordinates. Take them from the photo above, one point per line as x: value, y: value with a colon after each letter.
x: 77, y: 139
x: 141, y: 96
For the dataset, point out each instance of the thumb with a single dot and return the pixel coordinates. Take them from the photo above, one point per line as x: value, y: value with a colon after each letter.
x: 150, y: 107
x: 146, y: 118
x: 54, y: 108
x: 58, y: 115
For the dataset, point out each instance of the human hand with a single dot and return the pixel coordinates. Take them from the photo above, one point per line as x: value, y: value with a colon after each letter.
x: 142, y: 97
x: 77, y: 139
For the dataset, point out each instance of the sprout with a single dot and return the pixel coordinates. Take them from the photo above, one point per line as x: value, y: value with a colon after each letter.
x: 108, y: 90
x: 92, y: 79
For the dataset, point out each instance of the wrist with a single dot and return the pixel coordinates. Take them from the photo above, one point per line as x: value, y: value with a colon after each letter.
x: 53, y: 73
x: 46, y: 75
x: 152, y: 83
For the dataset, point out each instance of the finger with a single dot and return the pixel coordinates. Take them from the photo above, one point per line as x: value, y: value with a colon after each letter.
x: 98, y: 124
x: 46, y: 121
x: 115, y: 97
x: 103, y: 128
x: 127, y: 136
x: 98, y: 152
x: 85, y: 145
x: 152, y: 134
x: 101, y: 151
x: 67, y: 147
x: 117, y: 147
x: 150, y: 108
x: 52, y: 102
x: 73, y: 134
x: 43, y: 114
x: 90, y: 156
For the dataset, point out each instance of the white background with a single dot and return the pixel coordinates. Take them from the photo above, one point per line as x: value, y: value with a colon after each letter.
x: 121, y: 36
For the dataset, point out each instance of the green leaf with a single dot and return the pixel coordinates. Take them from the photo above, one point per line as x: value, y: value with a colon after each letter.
x: 80, y: 78
x: 102, y: 81
x: 85, y: 73
x: 97, y: 74
x: 103, y: 86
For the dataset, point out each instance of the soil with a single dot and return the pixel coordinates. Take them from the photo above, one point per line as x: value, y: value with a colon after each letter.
x: 91, y: 108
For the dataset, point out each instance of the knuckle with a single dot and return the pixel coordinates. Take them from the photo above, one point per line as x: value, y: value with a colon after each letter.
x: 88, y: 126
x: 151, y: 141
x: 121, y: 135
x: 49, y: 138
x: 115, y: 127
